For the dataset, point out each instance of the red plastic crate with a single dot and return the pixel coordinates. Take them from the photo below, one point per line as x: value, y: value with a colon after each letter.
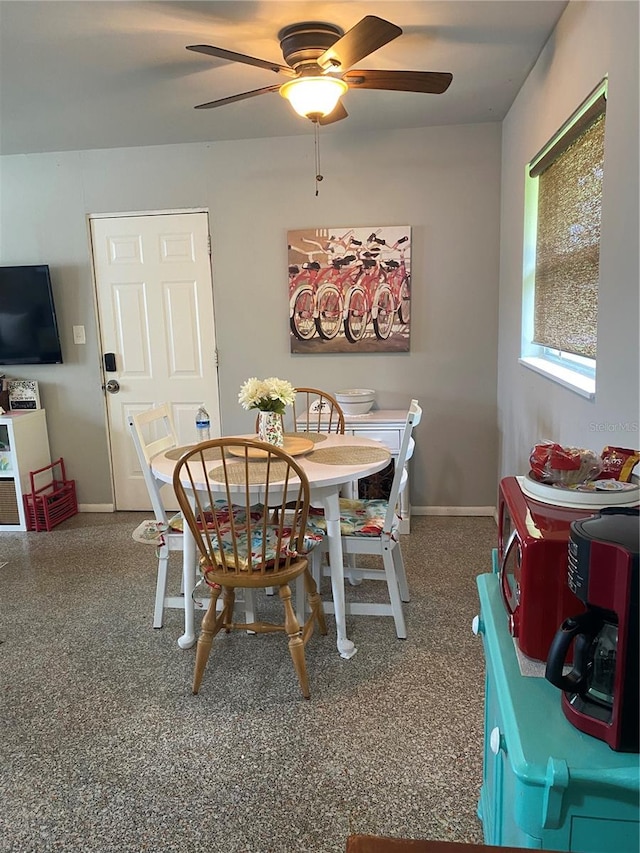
x: 55, y: 501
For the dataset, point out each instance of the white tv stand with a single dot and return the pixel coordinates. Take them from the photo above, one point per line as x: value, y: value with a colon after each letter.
x: 24, y: 448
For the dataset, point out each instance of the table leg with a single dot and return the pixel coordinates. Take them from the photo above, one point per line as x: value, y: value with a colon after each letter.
x: 188, y: 639
x: 331, y: 506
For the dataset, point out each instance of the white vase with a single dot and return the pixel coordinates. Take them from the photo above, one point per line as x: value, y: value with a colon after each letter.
x: 270, y: 428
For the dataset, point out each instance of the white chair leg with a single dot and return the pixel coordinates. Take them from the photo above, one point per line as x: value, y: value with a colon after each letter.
x: 161, y: 585
x: 316, y: 559
x: 249, y: 607
x: 349, y: 490
x: 400, y: 573
x: 301, y: 600
x: 394, y: 593
x: 351, y: 573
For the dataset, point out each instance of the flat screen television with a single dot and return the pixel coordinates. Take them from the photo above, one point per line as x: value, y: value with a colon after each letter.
x: 28, y: 327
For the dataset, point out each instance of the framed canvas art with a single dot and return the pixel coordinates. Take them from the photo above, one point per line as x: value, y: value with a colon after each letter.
x: 350, y: 289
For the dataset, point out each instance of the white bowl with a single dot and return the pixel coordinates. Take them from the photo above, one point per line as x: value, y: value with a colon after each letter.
x: 355, y: 401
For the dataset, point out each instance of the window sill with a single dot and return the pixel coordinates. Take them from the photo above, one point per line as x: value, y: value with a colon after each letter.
x: 583, y: 385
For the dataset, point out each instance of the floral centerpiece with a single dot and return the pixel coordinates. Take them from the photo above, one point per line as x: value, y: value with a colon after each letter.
x: 270, y: 397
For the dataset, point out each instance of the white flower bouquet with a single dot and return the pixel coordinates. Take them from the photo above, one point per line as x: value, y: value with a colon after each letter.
x: 267, y: 395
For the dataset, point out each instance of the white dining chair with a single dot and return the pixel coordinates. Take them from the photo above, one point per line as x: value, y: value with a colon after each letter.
x: 153, y: 432
x: 371, y: 527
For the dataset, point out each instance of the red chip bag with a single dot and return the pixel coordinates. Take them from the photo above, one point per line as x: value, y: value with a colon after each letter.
x: 618, y: 463
x: 553, y: 463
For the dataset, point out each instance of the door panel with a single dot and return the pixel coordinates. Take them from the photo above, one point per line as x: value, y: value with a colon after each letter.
x: 130, y: 320
x: 181, y: 312
x: 155, y: 312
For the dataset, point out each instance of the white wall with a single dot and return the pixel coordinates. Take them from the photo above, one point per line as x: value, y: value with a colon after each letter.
x: 444, y: 182
x: 590, y: 41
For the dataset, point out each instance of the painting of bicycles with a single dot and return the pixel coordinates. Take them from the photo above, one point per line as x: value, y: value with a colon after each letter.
x: 350, y: 289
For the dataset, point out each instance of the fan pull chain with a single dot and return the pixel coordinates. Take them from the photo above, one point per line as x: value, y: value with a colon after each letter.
x: 316, y: 134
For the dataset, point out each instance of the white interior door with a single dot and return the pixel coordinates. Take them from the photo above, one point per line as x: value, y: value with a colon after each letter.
x: 155, y: 313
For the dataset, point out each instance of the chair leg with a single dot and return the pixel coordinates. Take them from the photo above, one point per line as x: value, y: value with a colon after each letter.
x: 296, y: 644
x: 229, y: 599
x: 316, y: 565
x: 394, y: 592
x: 161, y: 586
x: 315, y: 602
x: 315, y: 562
x: 301, y: 599
x: 351, y: 572
x: 249, y: 607
x: 400, y: 573
x: 211, y: 624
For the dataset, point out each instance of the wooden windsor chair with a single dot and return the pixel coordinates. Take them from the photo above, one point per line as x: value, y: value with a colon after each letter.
x: 251, y: 546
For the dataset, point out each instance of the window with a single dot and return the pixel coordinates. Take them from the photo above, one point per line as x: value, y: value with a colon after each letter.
x: 563, y: 203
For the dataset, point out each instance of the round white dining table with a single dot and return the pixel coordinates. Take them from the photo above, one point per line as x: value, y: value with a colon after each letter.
x: 342, y: 464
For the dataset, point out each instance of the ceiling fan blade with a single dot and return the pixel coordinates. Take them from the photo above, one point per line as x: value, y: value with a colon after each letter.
x: 431, y: 82
x: 362, y: 39
x: 336, y: 114
x: 233, y: 98
x: 220, y: 53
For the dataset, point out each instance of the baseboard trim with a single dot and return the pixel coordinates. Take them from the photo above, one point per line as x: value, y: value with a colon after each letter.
x: 96, y: 508
x: 453, y: 510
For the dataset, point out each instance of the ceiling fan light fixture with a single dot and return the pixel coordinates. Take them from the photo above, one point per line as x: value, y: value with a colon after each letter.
x: 314, y: 96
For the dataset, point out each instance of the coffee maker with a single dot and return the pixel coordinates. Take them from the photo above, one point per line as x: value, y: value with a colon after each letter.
x: 600, y: 693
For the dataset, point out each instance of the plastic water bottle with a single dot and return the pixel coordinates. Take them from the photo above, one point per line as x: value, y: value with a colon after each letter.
x: 203, y: 424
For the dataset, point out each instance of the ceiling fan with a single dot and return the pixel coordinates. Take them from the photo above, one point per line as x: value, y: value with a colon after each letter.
x: 318, y: 56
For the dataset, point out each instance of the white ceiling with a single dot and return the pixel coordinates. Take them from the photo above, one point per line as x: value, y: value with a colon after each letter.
x: 96, y: 74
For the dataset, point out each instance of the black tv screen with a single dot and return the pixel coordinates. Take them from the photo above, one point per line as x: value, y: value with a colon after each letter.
x: 28, y: 327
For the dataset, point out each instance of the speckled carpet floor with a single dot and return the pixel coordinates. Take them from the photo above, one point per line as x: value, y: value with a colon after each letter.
x: 104, y: 748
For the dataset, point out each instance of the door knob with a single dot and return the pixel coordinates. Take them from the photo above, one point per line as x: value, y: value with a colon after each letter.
x: 112, y: 386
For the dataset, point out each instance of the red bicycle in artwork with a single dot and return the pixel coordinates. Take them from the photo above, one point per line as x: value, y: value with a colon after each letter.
x: 399, y: 280
x: 315, y: 292
x: 302, y: 299
x: 369, y: 296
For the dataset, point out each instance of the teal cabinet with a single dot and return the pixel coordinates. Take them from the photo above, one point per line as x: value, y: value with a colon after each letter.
x: 546, y: 785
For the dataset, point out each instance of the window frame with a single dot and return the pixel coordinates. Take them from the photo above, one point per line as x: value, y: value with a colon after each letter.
x: 573, y: 372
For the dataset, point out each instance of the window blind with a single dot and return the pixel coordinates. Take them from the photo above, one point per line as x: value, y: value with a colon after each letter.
x: 568, y: 238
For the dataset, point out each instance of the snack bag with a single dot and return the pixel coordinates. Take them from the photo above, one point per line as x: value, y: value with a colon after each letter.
x: 618, y: 463
x: 552, y: 463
